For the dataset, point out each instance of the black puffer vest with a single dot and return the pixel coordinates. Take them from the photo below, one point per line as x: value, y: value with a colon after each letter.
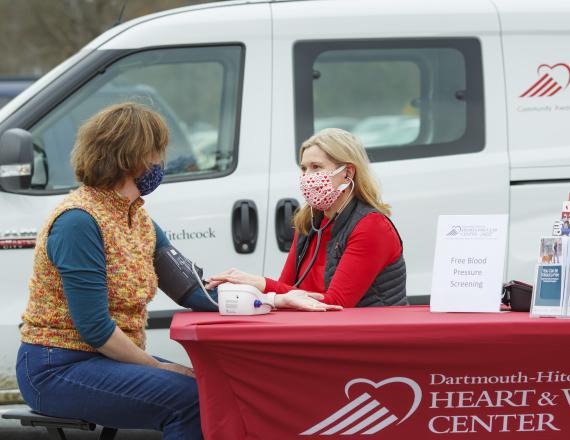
x: 389, y: 286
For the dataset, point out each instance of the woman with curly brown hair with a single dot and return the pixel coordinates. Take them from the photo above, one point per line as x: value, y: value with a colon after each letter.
x: 95, y: 270
x: 83, y: 339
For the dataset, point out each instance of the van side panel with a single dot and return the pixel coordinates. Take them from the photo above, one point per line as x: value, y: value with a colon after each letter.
x: 536, y: 37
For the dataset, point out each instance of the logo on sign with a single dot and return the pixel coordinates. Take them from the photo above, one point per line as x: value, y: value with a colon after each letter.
x: 466, y: 232
x: 364, y: 415
x: 455, y: 230
x: 552, y: 80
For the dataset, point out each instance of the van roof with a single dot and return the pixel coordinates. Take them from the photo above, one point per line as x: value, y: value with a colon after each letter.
x: 523, y: 12
x: 106, y: 36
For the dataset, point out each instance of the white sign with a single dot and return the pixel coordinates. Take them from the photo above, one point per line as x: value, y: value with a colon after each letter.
x: 469, y: 263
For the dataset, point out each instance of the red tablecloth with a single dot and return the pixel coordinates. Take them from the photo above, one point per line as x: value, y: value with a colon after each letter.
x: 387, y: 373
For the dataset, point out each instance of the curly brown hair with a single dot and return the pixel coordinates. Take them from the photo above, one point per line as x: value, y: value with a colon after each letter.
x: 120, y: 141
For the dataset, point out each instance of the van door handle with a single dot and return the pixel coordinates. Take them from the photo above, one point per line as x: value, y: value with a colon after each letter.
x: 284, y: 231
x: 244, y: 226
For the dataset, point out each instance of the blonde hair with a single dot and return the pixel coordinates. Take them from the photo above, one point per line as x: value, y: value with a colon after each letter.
x: 343, y: 147
x: 121, y: 140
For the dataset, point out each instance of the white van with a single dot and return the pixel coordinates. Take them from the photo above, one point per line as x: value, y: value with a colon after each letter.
x: 463, y: 107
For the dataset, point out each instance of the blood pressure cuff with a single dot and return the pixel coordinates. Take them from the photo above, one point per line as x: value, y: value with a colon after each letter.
x: 175, y: 275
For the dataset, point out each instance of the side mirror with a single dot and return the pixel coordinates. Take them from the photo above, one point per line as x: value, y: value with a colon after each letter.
x: 16, y: 160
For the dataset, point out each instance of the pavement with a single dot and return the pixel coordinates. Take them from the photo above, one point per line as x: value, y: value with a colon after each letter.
x: 12, y: 430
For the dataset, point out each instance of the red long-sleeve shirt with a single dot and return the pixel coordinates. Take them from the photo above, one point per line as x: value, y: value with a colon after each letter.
x: 372, y: 246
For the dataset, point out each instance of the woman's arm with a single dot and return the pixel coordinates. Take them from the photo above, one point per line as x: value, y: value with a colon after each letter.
x: 372, y: 245
x: 289, y: 297
x: 263, y: 284
x: 75, y: 247
x: 120, y: 348
x: 195, y: 298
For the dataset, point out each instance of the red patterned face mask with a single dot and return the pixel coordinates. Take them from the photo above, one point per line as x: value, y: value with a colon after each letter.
x: 317, y: 188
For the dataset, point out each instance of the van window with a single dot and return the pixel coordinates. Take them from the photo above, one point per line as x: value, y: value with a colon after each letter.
x: 403, y: 99
x: 195, y: 89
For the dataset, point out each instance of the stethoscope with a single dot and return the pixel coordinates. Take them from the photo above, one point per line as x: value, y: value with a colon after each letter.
x: 319, y: 232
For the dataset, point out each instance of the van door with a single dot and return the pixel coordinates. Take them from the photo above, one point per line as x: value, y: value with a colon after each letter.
x: 410, y: 86
x: 192, y: 68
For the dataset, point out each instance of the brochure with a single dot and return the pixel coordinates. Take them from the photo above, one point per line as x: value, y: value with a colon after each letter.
x: 550, y: 293
x: 562, y: 226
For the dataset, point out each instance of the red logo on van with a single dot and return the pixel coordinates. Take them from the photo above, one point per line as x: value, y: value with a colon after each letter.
x: 552, y: 80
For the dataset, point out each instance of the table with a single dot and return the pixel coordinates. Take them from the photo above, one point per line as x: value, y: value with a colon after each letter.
x: 386, y: 373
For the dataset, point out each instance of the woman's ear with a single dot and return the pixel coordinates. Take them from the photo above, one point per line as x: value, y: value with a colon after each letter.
x: 349, y: 172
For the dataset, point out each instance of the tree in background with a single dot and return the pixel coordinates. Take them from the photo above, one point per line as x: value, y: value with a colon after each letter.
x: 36, y: 35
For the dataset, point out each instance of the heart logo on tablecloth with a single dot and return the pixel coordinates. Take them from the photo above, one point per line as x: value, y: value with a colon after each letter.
x: 552, y: 80
x: 363, y: 414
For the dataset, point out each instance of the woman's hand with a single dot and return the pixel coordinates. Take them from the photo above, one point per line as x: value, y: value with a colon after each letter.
x: 236, y: 276
x: 177, y: 368
x: 301, y: 300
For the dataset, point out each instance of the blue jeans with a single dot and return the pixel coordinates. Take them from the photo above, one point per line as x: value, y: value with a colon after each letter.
x: 92, y: 387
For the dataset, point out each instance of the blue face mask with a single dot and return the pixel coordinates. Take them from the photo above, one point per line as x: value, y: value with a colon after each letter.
x: 150, y: 180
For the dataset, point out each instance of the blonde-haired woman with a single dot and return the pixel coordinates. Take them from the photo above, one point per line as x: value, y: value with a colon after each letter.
x: 345, y: 246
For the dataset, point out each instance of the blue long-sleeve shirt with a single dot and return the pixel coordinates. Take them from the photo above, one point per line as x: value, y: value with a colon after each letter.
x: 75, y: 247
